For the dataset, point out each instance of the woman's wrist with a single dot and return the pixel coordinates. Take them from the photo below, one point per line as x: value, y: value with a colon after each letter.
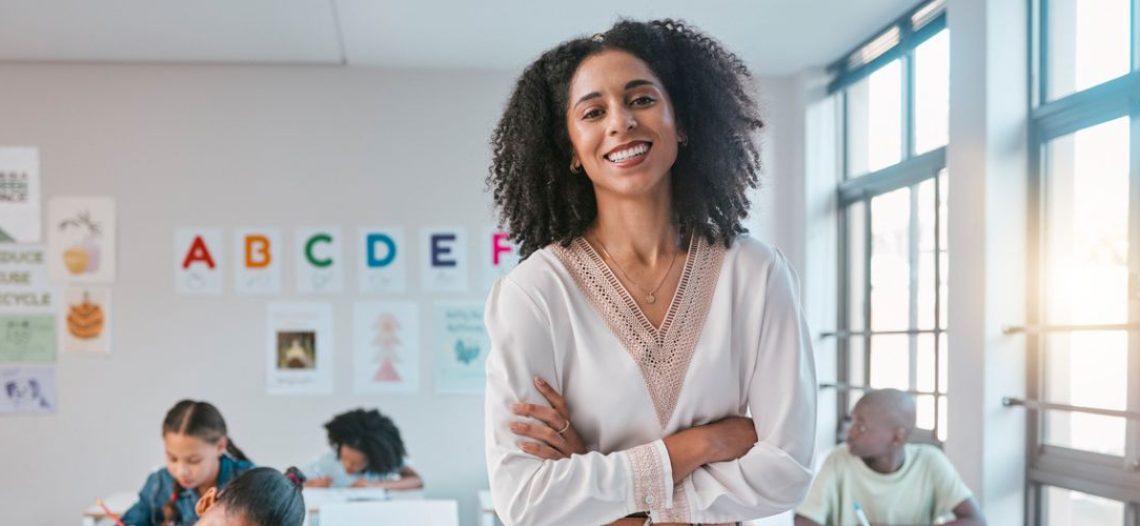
x: 689, y: 450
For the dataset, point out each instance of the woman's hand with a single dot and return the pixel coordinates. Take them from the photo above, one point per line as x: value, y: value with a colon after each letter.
x: 556, y: 437
x: 726, y: 439
x: 730, y: 438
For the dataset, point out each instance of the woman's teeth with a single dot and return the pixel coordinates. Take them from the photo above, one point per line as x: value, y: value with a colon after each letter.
x: 628, y: 153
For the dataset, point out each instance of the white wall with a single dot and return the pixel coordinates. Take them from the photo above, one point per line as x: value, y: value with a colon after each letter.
x: 776, y: 218
x: 233, y: 146
x: 227, y: 147
x: 988, y: 187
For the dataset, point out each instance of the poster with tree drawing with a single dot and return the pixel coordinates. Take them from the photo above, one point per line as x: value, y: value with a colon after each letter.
x: 386, y: 347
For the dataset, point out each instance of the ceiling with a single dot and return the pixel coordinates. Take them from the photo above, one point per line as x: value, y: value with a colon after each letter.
x: 776, y: 37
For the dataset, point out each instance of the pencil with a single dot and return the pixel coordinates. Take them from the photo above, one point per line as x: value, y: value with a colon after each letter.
x: 109, y: 513
x: 861, y: 516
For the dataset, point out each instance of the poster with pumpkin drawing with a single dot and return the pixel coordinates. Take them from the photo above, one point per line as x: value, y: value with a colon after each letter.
x: 85, y: 320
x: 81, y: 239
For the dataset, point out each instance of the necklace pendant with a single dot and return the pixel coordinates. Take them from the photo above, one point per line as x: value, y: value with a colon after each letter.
x: 651, y: 299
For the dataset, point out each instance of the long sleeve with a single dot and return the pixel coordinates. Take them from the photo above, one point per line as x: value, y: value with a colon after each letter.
x: 593, y: 488
x: 776, y: 473
x: 138, y: 515
x: 142, y: 513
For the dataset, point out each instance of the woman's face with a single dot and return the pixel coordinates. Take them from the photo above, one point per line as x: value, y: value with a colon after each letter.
x: 621, y: 125
x: 192, y: 462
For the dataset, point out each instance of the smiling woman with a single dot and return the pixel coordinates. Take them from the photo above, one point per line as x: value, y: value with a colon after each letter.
x: 621, y: 166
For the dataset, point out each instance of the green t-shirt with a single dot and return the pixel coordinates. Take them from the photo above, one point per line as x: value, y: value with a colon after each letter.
x: 924, y: 489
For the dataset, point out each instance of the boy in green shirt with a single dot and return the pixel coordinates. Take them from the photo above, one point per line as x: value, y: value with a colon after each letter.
x: 895, y: 483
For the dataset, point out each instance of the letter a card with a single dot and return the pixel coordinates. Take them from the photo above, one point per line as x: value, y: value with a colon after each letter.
x: 198, y: 261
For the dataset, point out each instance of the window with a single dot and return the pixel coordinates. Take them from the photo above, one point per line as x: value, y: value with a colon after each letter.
x: 1086, y: 269
x: 1064, y: 508
x: 932, y: 93
x: 1087, y: 43
x: 895, y: 97
x: 874, y: 121
x: 1084, y: 315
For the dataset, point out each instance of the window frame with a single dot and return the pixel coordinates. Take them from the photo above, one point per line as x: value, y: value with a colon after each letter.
x: 1111, y: 477
x: 909, y: 172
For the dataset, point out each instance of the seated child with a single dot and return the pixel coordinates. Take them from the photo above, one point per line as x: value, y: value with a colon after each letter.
x: 367, y: 452
x: 893, y: 482
x: 199, y: 457
x: 258, y: 497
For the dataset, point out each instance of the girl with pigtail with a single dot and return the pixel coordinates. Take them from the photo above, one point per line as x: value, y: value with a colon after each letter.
x: 200, y: 456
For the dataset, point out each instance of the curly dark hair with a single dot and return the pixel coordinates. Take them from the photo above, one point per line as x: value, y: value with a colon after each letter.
x: 371, y: 433
x: 541, y: 201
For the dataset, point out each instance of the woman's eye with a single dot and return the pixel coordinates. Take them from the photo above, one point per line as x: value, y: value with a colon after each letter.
x: 594, y: 113
x: 642, y: 101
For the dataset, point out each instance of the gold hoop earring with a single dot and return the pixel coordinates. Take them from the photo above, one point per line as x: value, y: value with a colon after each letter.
x: 575, y: 168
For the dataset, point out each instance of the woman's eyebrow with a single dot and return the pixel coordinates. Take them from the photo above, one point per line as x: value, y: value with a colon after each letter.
x: 628, y: 86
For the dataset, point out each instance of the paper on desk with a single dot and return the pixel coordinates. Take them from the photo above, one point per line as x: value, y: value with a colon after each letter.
x: 315, y: 497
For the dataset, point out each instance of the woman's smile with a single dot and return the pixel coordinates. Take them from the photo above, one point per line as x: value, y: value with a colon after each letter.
x: 629, y: 154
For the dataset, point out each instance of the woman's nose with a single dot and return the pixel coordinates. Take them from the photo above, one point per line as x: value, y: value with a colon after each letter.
x: 621, y: 121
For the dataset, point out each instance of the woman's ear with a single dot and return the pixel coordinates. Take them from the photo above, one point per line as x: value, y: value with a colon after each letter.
x: 206, y: 502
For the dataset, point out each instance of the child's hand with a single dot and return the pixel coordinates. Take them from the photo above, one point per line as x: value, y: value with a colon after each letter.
x: 362, y: 483
x: 320, y: 482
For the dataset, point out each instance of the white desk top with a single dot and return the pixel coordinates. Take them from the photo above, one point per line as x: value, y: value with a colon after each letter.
x: 315, y: 497
x: 118, y: 502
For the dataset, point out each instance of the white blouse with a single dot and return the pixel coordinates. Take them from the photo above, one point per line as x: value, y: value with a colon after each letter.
x: 734, y: 342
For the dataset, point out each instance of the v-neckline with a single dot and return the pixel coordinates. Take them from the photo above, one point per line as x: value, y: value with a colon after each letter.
x: 662, y: 354
x: 628, y: 298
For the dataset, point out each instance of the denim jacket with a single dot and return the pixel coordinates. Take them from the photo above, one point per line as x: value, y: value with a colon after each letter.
x: 159, y: 489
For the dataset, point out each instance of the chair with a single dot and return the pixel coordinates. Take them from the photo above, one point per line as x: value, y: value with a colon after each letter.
x: 391, y: 513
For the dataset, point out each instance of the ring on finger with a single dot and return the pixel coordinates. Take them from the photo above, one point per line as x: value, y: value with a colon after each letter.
x: 565, y: 427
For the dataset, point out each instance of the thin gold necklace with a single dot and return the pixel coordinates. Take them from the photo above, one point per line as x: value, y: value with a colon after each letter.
x: 650, y: 296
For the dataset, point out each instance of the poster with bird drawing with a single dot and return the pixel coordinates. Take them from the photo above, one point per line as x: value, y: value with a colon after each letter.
x: 386, y: 347
x: 81, y: 239
x: 461, y: 347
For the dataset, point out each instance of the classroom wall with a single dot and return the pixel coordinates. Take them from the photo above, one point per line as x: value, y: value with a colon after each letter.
x: 238, y: 146
x: 234, y: 146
